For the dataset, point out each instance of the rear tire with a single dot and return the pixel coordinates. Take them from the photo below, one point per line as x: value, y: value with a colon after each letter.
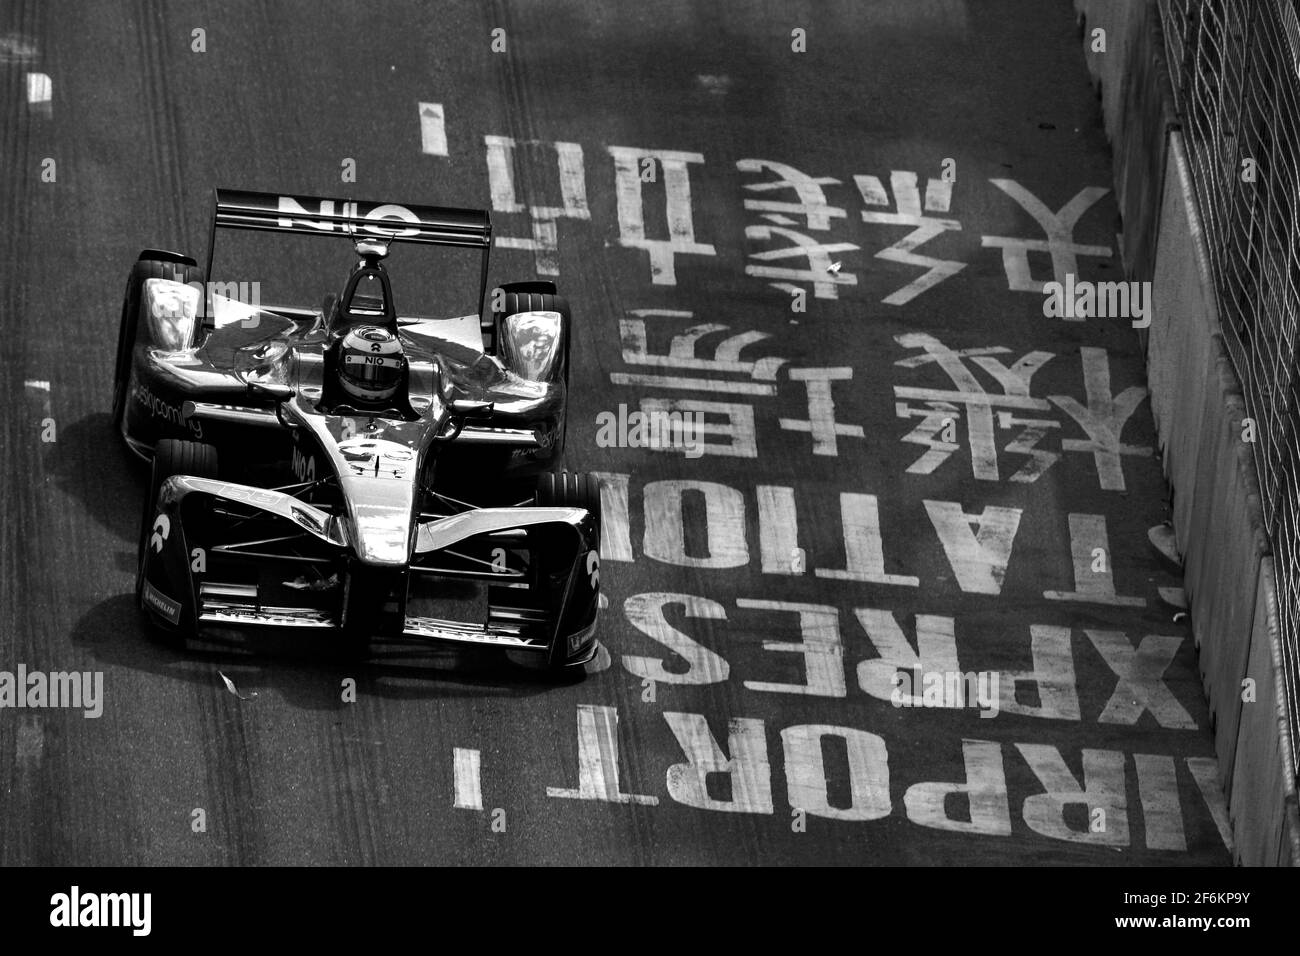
x: 171, y: 457
x: 128, y: 325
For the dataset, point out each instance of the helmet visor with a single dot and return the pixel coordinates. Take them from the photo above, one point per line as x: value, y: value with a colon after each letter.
x: 372, y: 369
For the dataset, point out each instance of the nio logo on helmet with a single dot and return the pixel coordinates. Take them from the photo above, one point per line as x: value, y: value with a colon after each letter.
x: 370, y: 364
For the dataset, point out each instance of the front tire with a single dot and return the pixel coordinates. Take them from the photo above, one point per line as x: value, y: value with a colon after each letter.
x: 570, y: 489
x: 567, y: 489
x: 171, y: 457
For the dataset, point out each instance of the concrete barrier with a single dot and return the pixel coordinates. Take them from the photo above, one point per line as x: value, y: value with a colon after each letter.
x: 1198, y: 410
x: 1121, y: 20
x: 1196, y: 400
x: 1181, y: 359
x: 1263, y: 809
x: 1224, y: 546
x: 1197, y: 405
x: 1138, y: 112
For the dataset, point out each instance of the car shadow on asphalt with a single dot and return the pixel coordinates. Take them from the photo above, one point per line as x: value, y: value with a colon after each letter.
x: 92, y: 464
x: 307, y: 671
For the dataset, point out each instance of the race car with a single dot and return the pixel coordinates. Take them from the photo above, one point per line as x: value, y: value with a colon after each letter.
x: 350, y: 469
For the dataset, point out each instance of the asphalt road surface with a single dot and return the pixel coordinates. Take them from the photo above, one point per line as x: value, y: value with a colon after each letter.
x: 825, y: 227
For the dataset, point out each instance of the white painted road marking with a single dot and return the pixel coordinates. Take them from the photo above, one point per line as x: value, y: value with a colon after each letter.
x: 645, y: 612
x: 748, y: 767
x: 821, y: 423
x: 1158, y: 791
x: 691, y: 384
x: 615, y: 538
x: 631, y: 212
x: 936, y: 650
x: 40, y: 92
x: 978, y: 545
x: 1141, y: 685
x: 469, y: 791
x: 819, y: 642
x: 938, y: 198
x: 1088, y: 536
x: 724, y: 525
x: 864, y: 549
x: 806, y: 776
x: 1059, y: 244
x: 1103, y: 787
x: 433, y: 130
x: 598, y: 760
x: 778, y: 529
x: 42, y: 386
x: 544, y: 241
x: 985, y: 789
x: 1103, y: 419
x: 812, y: 203
x: 1052, y: 675
x: 818, y: 255
x: 1205, y: 771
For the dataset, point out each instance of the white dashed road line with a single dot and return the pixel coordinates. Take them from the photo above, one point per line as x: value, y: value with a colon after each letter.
x: 433, y: 130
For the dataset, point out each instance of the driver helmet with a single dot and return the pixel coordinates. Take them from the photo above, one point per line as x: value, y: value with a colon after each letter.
x: 370, y: 364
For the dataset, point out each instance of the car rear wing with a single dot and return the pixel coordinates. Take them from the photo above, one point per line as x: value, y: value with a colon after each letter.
x: 319, y: 216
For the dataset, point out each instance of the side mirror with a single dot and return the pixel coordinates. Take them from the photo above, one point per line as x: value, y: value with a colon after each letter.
x: 271, y: 390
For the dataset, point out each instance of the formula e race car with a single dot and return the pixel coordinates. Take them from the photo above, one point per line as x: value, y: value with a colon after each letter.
x: 351, y: 469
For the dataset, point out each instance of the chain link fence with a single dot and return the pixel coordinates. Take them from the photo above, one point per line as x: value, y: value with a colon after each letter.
x: 1235, y: 70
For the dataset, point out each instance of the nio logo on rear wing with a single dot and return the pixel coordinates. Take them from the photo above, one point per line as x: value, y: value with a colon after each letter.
x: 434, y: 225
x: 313, y: 215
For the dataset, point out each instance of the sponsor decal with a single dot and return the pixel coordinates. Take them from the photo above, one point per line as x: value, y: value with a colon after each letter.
x: 304, y: 466
x: 162, y: 527
x: 545, y: 443
x: 168, y: 608
x: 257, y: 496
x: 388, y: 212
x: 372, y: 360
x: 578, y: 639
x: 172, y: 414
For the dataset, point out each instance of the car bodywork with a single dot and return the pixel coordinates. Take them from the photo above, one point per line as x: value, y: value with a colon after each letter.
x: 331, y: 516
